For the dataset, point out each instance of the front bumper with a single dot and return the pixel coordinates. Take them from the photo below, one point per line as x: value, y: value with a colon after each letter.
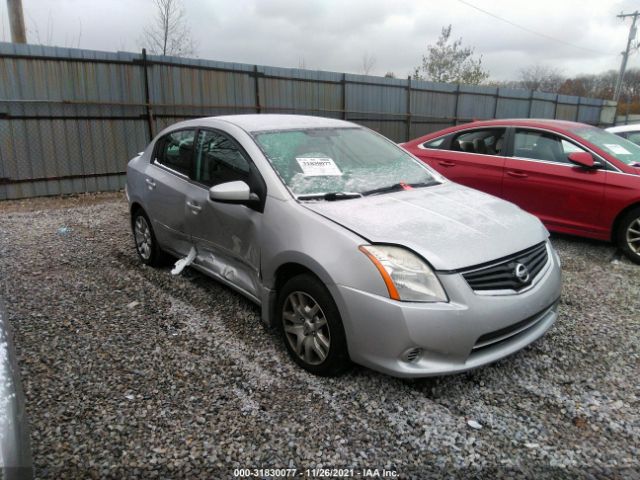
x: 407, y: 339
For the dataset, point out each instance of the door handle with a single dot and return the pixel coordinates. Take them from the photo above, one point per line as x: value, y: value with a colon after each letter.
x: 446, y: 163
x: 517, y: 174
x: 150, y: 183
x: 195, y: 208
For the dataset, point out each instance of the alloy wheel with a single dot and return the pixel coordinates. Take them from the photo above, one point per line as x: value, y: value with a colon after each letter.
x: 633, y: 236
x: 142, y: 234
x: 306, y: 328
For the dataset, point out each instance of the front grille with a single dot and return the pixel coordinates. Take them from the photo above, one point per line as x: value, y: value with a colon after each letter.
x: 514, y: 272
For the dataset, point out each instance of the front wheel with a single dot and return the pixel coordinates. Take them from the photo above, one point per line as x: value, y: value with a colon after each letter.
x: 311, y: 326
x: 629, y: 235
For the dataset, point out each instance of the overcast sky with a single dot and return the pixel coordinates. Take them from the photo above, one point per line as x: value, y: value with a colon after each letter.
x: 581, y: 36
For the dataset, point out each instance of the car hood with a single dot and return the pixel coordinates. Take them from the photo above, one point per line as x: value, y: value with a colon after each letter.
x: 451, y: 226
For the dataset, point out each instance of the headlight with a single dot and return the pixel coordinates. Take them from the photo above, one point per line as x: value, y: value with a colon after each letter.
x: 406, y: 275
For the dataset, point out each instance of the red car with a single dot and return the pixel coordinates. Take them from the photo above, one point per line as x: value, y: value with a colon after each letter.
x: 578, y: 179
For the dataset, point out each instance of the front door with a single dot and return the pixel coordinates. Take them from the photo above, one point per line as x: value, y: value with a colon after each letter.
x: 541, y: 180
x: 225, y: 235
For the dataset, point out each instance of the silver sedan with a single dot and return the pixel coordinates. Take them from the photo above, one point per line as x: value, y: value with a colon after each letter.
x: 354, y: 249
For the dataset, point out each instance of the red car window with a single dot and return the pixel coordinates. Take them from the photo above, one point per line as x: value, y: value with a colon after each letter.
x: 540, y: 145
x: 485, y: 141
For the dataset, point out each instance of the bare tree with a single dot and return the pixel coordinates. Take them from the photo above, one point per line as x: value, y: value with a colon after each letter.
x: 390, y: 75
x: 70, y: 40
x: 169, y: 33
x: 449, y: 62
x: 541, y: 78
x: 368, y: 62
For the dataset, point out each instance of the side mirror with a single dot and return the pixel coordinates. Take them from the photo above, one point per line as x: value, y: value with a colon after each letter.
x: 232, y: 192
x: 583, y: 159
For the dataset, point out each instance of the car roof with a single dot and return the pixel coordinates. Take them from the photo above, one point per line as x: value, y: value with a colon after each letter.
x: 634, y: 127
x: 527, y: 122
x: 258, y: 122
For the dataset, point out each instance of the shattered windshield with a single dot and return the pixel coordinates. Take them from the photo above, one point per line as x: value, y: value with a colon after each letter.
x: 621, y: 148
x: 340, y: 161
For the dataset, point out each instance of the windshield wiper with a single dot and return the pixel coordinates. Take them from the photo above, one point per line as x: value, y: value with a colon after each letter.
x: 399, y: 186
x: 330, y: 196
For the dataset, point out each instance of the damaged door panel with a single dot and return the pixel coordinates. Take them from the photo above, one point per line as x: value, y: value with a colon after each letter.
x: 226, y: 240
x: 226, y: 235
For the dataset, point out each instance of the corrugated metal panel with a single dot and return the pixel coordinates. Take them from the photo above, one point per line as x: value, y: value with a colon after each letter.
x: 542, y: 109
x: 49, y: 91
x: 381, y: 100
x: 476, y: 102
x: 396, y: 131
x: 179, y: 90
x: 589, y: 114
x: 433, y: 100
x: 305, y: 92
x: 513, y: 103
x: 567, y: 107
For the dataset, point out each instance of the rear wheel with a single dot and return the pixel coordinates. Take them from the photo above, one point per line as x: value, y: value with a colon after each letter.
x: 628, y: 235
x: 146, y: 244
x: 311, y: 326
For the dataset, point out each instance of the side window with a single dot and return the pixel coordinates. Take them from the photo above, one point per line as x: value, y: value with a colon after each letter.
x: 437, y: 143
x: 218, y: 160
x: 176, y: 150
x: 489, y: 141
x: 539, y: 145
x: 568, y: 147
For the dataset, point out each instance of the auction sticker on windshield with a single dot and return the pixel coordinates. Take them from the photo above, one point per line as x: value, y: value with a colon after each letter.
x: 318, y: 166
x: 619, y: 149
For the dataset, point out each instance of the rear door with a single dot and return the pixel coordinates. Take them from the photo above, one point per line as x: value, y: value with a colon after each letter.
x: 167, y: 182
x: 226, y: 235
x: 541, y: 180
x: 474, y: 158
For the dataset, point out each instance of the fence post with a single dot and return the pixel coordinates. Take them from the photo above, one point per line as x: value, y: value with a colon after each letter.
x: 495, y: 107
x: 255, y: 78
x: 455, y: 106
x: 145, y: 66
x: 578, y: 109
x: 408, y: 108
x: 555, y: 106
x: 344, y: 96
x: 626, y: 120
x: 530, y: 103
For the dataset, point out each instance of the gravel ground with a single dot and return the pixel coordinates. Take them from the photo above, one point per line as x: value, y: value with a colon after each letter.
x: 131, y: 372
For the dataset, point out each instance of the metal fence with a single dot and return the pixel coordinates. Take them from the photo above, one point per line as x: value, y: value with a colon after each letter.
x: 70, y: 119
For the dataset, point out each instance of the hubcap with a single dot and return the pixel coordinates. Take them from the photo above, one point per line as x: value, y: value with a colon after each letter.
x: 306, y: 328
x: 633, y: 236
x: 142, y: 234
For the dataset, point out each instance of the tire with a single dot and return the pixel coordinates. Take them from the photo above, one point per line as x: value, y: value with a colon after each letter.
x: 147, y: 246
x: 628, y: 235
x: 311, y: 326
